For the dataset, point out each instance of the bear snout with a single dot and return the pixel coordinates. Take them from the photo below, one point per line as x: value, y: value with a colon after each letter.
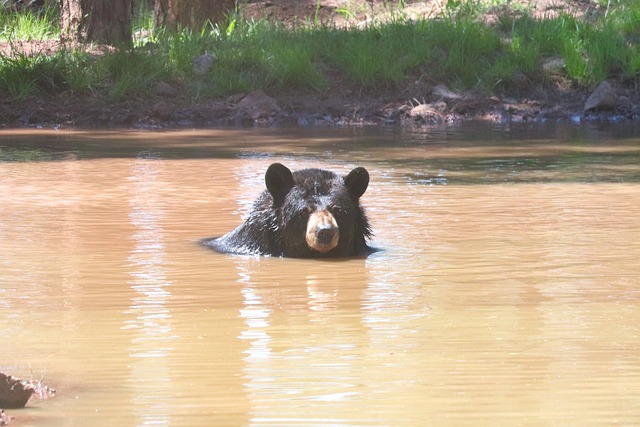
x: 325, y: 234
x: 322, y: 231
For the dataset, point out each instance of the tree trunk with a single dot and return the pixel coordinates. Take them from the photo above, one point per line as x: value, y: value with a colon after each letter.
x: 175, y: 15
x: 100, y: 21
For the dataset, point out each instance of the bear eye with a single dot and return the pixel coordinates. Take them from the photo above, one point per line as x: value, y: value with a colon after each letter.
x: 304, y: 211
x: 336, y: 210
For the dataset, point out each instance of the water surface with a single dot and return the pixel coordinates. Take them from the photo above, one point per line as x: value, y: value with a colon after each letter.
x: 506, y: 290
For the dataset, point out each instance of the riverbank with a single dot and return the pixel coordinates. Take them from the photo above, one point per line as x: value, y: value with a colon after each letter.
x: 395, y: 74
x: 422, y: 106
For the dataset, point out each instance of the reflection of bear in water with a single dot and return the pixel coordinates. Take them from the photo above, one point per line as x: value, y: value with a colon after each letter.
x: 305, y: 214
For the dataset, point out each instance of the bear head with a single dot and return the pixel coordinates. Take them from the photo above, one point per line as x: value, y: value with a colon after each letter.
x: 317, y: 212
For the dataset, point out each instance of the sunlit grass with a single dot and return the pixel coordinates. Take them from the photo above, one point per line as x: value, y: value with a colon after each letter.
x: 28, y: 25
x: 457, y: 49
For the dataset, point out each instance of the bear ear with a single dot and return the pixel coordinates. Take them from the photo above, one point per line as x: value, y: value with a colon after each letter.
x: 279, y: 181
x: 357, y: 182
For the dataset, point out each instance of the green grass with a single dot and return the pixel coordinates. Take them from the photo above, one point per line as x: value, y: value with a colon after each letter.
x: 22, y: 75
x: 457, y: 49
x: 28, y: 25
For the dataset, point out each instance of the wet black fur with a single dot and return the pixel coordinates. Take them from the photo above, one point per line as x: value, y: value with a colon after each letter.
x: 277, y: 224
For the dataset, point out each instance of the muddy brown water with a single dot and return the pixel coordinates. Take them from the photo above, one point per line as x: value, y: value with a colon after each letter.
x: 506, y: 290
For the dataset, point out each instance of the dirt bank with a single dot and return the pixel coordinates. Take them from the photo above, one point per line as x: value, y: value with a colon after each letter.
x: 420, y: 104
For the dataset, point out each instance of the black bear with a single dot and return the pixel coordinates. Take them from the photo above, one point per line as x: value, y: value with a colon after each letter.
x: 303, y: 214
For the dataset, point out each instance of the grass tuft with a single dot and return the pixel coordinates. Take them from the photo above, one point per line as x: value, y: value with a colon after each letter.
x: 28, y: 24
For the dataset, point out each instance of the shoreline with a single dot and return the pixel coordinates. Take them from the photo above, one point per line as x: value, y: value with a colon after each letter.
x: 440, y: 107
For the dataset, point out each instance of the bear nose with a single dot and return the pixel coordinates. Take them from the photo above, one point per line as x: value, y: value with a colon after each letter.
x: 325, y: 233
x: 322, y: 233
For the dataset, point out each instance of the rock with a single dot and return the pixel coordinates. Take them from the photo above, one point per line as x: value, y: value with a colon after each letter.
x: 553, y: 65
x: 142, y: 35
x: 13, y: 392
x: 426, y: 113
x: 443, y: 92
x: 258, y: 105
x: 235, y: 98
x: 4, y: 418
x: 165, y: 89
x: 203, y: 63
x: 603, y: 98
